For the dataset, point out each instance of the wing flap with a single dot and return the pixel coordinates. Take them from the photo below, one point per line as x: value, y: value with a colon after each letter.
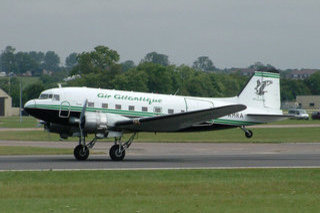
x: 178, y: 121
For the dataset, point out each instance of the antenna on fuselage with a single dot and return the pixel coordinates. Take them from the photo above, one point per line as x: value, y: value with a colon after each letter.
x: 59, y: 85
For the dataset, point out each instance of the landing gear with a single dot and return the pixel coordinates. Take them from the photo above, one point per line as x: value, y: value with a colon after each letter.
x: 81, y: 152
x: 118, y: 151
x: 248, y: 133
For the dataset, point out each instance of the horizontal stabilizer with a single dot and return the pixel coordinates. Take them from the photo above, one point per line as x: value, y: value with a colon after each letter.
x: 178, y: 121
x: 271, y: 115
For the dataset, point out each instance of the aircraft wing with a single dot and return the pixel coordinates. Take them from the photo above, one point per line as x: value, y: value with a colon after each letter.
x: 178, y: 121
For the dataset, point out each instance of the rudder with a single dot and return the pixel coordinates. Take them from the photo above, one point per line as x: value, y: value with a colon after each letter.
x: 262, y: 91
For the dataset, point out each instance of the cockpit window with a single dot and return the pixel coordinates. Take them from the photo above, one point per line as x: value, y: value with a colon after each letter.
x: 44, y: 96
x: 54, y: 97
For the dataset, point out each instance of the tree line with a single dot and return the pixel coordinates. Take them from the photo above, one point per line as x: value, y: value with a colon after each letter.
x: 154, y: 73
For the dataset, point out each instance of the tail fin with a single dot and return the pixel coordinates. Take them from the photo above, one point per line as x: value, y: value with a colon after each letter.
x: 262, y: 91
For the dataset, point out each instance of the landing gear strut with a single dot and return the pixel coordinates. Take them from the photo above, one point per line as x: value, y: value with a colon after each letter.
x: 248, y: 133
x: 118, y: 151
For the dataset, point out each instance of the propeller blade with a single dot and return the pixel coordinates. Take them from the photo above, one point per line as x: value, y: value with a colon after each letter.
x: 82, y: 120
x: 82, y: 115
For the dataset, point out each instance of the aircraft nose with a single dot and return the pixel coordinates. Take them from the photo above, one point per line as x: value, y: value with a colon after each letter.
x: 30, y: 104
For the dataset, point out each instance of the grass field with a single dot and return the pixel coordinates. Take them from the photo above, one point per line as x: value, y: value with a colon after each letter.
x: 23, y: 150
x: 14, y: 122
x: 266, y: 135
x: 251, y: 190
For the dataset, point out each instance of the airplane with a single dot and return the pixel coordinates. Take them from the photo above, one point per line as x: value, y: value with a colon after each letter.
x: 79, y: 111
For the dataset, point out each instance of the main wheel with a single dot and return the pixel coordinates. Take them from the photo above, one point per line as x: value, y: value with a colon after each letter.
x: 115, y: 153
x: 81, y: 152
x: 249, y: 134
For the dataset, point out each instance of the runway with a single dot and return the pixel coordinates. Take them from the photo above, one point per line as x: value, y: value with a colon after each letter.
x: 172, y: 156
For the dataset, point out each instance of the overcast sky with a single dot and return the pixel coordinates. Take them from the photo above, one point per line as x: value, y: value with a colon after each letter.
x: 233, y: 33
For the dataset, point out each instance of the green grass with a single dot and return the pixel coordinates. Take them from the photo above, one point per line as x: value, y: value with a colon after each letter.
x: 14, y: 122
x: 295, y: 121
x: 265, y: 135
x: 24, y: 150
x: 251, y: 190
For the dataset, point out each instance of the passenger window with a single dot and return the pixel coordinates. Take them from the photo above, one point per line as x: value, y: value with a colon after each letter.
x: 157, y: 109
x: 90, y: 104
x: 170, y: 111
x: 50, y: 96
x: 144, y: 109
x: 118, y: 106
x: 104, y: 105
x: 56, y: 97
x: 131, y: 108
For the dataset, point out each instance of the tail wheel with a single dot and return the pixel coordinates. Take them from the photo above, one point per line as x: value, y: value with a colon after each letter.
x: 116, y: 154
x: 81, y: 152
x: 249, y: 134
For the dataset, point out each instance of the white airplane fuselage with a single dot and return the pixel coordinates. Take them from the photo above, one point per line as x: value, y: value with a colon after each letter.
x: 76, y: 111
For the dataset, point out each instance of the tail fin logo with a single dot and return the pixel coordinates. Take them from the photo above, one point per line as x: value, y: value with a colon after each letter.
x: 261, y: 85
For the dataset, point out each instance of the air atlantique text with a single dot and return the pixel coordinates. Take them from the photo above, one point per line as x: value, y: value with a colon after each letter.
x: 130, y: 98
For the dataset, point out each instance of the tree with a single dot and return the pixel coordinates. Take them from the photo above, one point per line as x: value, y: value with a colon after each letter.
x: 156, y: 58
x: 24, y: 63
x: 128, y: 80
x: 261, y: 67
x: 32, y: 91
x: 127, y: 65
x: 51, y: 61
x: 203, y: 63
x: 96, y: 68
x: 71, y: 60
x: 159, y: 77
x: 38, y: 57
x: 8, y: 60
x: 291, y: 88
x: 98, y: 61
x: 313, y: 83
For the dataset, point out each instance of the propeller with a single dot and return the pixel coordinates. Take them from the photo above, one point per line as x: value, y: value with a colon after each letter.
x: 82, y: 120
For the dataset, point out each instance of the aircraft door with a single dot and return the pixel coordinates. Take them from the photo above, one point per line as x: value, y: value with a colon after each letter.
x: 64, y: 111
x: 197, y: 104
x: 2, y: 108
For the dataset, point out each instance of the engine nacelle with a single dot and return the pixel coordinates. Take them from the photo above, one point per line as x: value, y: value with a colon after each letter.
x: 95, y: 122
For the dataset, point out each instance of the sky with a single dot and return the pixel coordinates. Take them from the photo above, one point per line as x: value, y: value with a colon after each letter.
x: 232, y: 33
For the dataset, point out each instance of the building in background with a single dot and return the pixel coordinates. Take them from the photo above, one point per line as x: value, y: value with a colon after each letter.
x: 301, y: 74
x: 309, y: 101
x: 6, y: 108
